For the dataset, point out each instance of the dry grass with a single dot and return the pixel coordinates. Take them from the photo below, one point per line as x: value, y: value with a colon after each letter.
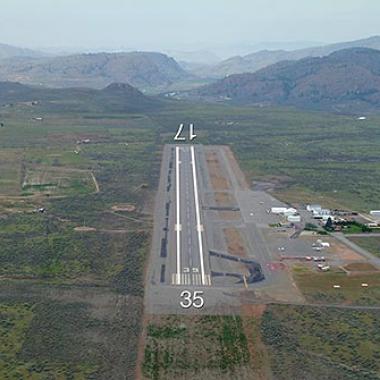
x: 360, y: 267
x: 258, y: 351
x: 230, y: 215
x: 125, y: 207
x: 84, y: 229
x: 223, y: 199
x: 344, y: 252
x: 236, y: 168
x: 219, y: 182
x: 235, y: 243
x: 319, y: 287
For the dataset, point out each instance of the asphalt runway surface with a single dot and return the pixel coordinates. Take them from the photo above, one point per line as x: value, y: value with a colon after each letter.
x: 191, y: 267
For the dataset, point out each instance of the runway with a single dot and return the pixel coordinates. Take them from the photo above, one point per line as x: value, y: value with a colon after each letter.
x: 210, y: 234
x: 189, y: 230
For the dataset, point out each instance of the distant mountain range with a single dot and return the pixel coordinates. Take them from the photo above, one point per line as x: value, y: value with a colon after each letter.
x: 337, y: 76
x: 194, y: 57
x: 252, y: 62
x: 143, y: 70
x: 116, y: 97
x: 346, y: 80
x: 7, y: 51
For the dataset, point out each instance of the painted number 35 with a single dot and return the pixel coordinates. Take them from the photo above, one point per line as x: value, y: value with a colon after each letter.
x: 190, y: 299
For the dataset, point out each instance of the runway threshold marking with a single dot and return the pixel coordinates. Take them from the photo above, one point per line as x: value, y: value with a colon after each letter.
x: 187, y: 279
x: 198, y: 215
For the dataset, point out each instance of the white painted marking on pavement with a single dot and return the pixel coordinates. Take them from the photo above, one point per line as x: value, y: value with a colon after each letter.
x: 178, y: 225
x: 198, y: 215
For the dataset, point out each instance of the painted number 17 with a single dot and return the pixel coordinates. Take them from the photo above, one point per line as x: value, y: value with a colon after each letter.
x: 178, y: 136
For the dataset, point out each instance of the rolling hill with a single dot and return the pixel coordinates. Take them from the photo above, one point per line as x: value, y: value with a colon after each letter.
x: 143, y: 70
x: 345, y: 80
x: 116, y: 97
x: 253, y: 62
x: 8, y: 51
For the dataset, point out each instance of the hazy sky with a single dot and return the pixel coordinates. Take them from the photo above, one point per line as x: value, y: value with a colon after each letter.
x: 180, y: 24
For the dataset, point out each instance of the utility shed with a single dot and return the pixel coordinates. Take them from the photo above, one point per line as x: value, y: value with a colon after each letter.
x: 294, y: 218
x: 278, y: 210
x: 323, y: 214
x: 313, y: 207
x: 290, y: 211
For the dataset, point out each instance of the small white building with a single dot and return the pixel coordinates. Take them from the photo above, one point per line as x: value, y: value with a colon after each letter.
x: 323, y: 214
x: 294, y: 218
x: 283, y: 210
x: 278, y: 210
x: 290, y: 211
x: 313, y: 207
x: 375, y: 213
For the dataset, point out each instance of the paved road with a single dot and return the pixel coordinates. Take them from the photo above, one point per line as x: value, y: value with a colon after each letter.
x: 364, y: 235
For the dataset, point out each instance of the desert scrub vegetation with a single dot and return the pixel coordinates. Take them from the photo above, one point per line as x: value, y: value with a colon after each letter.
x: 16, y: 320
x: 48, y: 250
x: 76, y: 296
x: 333, y: 343
x: 187, y: 346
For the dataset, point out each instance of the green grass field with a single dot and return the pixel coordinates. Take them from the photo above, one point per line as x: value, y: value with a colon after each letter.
x: 318, y: 287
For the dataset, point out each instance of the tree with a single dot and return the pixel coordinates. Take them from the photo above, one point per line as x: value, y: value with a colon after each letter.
x: 329, y: 225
